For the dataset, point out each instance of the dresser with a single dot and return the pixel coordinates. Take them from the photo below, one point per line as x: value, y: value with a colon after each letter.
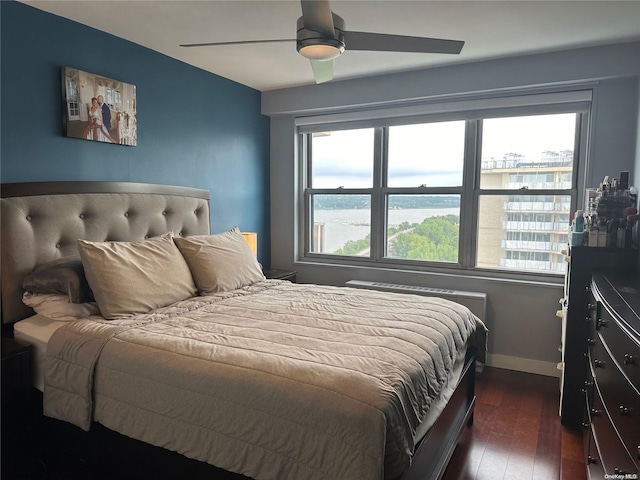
x: 612, y: 386
x: 583, y: 262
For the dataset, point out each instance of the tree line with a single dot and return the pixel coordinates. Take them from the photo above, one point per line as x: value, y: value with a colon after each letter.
x: 436, y: 239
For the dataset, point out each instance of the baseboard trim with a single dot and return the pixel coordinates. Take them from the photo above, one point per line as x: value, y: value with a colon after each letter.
x: 527, y: 365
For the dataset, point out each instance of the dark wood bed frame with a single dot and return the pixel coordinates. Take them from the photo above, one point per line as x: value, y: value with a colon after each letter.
x: 433, y: 452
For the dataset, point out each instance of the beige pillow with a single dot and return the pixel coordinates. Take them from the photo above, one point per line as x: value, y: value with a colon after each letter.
x: 220, y: 263
x: 128, y: 278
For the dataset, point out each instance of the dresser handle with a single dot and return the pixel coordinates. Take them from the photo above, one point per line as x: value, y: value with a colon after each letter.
x: 585, y: 425
x: 629, y: 359
x: 598, y: 363
x: 595, y: 412
x: 601, y: 323
x: 624, y: 411
x: 591, y: 342
x: 591, y: 460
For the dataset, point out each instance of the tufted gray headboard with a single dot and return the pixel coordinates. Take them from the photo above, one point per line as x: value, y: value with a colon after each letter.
x: 41, y: 222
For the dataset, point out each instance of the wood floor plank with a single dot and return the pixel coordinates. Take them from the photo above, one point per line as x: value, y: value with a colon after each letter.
x: 572, y: 466
x: 547, y: 464
x: 572, y: 447
x: 526, y: 430
x: 471, y: 453
x: 520, y: 464
x: 572, y: 470
x: 493, y: 395
x: 495, y: 457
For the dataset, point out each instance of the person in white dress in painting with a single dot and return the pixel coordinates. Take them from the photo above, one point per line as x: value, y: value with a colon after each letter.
x: 96, y: 130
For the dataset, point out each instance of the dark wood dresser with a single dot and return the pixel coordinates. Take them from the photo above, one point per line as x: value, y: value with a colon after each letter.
x: 583, y: 262
x: 612, y: 388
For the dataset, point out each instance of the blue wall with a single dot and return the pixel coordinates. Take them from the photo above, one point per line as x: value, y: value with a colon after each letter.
x: 195, y: 129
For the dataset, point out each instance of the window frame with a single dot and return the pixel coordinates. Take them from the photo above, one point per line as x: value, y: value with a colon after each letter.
x: 573, y: 101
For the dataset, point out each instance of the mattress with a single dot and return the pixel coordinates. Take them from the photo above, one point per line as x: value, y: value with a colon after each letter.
x: 36, y: 331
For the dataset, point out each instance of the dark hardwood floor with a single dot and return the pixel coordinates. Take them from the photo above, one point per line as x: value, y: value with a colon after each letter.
x: 516, y: 435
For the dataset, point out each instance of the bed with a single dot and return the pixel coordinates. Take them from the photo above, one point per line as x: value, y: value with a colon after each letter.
x: 265, y: 378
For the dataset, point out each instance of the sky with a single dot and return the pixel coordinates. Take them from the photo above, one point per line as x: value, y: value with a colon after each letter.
x: 433, y: 154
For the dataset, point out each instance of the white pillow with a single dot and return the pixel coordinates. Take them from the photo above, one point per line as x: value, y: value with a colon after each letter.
x: 58, y: 307
x: 220, y: 263
x: 128, y: 278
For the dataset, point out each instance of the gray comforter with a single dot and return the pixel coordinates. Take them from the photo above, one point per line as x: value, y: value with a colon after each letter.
x: 276, y: 380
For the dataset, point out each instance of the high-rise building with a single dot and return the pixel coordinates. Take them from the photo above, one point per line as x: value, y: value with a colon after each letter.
x: 525, y: 231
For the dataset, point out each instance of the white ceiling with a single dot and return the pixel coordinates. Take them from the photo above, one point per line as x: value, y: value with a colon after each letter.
x: 491, y: 29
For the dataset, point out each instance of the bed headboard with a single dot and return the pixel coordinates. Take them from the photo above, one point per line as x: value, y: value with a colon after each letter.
x: 41, y: 222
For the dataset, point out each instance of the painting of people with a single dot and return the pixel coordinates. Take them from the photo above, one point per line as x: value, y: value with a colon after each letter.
x: 98, y: 108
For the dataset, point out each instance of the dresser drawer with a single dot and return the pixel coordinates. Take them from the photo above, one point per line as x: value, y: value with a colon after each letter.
x: 586, y: 415
x: 587, y: 390
x: 624, y: 349
x: 611, y: 453
x: 593, y: 344
x: 595, y: 471
x: 621, y: 400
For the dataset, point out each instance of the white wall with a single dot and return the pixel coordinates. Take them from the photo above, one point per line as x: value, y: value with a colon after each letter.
x: 524, y: 331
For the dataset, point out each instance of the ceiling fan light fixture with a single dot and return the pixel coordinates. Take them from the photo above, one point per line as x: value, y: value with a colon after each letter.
x: 321, y: 52
x: 321, y: 44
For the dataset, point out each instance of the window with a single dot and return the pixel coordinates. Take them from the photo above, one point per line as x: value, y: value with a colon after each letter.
x: 487, y: 190
x: 429, y: 154
x: 73, y: 106
x: 111, y: 95
x: 533, y: 154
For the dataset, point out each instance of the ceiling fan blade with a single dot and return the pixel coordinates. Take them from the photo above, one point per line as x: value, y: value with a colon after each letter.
x: 382, y: 42
x: 317, y: 16
x: 322, y: 70
x: 241, y: 42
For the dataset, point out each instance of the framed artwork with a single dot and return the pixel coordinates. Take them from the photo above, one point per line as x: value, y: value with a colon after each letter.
x: 98, y: 108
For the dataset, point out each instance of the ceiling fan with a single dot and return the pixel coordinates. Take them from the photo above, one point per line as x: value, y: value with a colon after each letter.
x: 321, y: 37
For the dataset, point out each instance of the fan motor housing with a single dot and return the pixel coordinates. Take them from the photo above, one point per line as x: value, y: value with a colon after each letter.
x: 307, y: 37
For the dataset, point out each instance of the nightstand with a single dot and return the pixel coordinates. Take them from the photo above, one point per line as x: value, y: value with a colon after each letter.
x: 275, y: 274
x: 16, y: 385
